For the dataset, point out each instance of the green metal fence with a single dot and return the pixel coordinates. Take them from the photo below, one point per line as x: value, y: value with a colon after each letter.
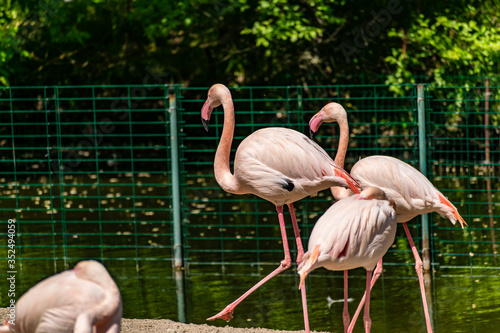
x: 229, y: 230
x: 102, y: 172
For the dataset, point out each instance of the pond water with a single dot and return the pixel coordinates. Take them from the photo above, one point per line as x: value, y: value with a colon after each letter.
x: 138, y: 257
x: 460, y: 300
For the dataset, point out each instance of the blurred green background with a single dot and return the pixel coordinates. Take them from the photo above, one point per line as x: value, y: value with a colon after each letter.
x: 246, y: 42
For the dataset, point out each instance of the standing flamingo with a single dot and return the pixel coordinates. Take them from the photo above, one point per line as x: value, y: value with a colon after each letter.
x: 409, y: 189
x: 277, y: 164
x: 354, y: 232
x: 84, y: 299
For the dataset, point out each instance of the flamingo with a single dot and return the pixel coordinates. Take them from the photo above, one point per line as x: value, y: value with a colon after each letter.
x: 354, y: 232
x: 279, y: 165
x: 78, y: 300
x: 409, y: 189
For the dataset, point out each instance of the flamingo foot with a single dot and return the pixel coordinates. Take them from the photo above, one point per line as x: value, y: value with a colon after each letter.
x: 226, y: 314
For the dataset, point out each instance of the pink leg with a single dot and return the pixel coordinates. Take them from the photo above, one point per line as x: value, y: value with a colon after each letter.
x: 304, y: 307
x: 376, y: 275
x: 300, y: 254
x: 298, y: 240
x: 418, y: 268
x: 227, y: 313
x: 366, y: 317
x: 345, y: 314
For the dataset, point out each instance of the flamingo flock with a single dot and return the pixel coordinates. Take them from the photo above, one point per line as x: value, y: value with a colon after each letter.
x: 282, y: 166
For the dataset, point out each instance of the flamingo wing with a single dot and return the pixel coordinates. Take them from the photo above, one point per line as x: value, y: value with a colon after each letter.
x: 287, y: 155
x: 355, y: 232
x: 57, y: 320
x: 412, y: 192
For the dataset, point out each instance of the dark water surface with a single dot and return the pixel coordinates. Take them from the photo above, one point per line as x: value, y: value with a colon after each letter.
x: 459, y: 301
x: 230, y: 249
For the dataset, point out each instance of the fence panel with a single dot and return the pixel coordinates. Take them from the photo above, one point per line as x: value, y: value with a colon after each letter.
x: 238, y: 235
x: 464, y: 162
x: 86, y: 174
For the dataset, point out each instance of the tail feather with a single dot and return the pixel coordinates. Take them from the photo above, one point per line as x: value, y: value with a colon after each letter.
x: 353, y: 185
x: 305, y: 266
x: 455, y: 211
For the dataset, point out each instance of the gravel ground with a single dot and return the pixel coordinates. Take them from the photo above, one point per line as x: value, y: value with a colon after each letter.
x: 169, y: 326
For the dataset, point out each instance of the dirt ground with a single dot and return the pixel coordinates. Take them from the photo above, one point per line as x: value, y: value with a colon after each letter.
x: 169, y: 326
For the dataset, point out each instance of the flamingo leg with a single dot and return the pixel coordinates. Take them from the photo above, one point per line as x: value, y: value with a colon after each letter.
x: 298, y: 240
x: 345, y: 314
x: 227, y: 313
x: 376, y: 275
x: 366, y: 317
x: 300, y: 254
x: 418, y: 268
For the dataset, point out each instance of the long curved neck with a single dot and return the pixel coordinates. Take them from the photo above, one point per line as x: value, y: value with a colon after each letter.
x: 343, y: 143
x: 222, y: 171
x: 340, y: 192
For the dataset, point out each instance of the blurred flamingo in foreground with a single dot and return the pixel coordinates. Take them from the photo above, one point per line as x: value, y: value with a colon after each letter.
x: 82, y: 300
x: 354, y: 232
x: 409, y: 189
x: 279, y: 165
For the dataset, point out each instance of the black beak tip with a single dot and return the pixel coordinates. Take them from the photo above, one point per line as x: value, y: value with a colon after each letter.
x: 312, y: 134
x: 206, y: 124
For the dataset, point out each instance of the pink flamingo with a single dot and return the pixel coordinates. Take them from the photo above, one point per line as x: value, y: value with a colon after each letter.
x: 409, y: 189
x: 83, y: 299
x: 354, y: 232
x: 277, y: 164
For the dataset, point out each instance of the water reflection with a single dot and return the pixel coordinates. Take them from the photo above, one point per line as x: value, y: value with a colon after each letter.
x: 458, y: 302
x: 229, y: 250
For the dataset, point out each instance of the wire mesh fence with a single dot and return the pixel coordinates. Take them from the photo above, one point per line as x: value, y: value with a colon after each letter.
x: 232, y: 230
x: 464, y: 151
x: 86, y: 172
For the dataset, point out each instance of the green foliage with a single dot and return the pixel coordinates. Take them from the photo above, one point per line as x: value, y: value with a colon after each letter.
x: 248, y: 42
x: 439, y: 46
x: 284, y: 21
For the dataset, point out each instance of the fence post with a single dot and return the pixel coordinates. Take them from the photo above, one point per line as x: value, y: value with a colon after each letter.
x: 422, y: 148
x: 176, y: 206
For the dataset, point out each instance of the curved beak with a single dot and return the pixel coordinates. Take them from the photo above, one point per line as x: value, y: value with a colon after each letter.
x: 315, y: 123
x: 312, y: 134
x: 206, y: 123
x: 206, y: 111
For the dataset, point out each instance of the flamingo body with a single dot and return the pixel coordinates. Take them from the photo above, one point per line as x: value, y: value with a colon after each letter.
x: 76, y: 300
x: 412, y: 192
x: 354, y: 232
x: 277, y: 164
x: 282, y: 166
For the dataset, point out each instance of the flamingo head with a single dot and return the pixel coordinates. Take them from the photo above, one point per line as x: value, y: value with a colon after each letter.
x: 332, y: 112
x: 216, y: 94
x: 315, y: 123
x: 309, y: 264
